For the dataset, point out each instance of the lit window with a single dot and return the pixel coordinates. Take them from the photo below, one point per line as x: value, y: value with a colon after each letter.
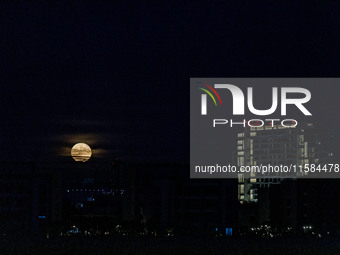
x: 241, y: 188
x: 240, y: 178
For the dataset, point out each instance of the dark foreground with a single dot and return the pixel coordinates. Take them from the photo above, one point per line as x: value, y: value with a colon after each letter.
x: 164, y: 246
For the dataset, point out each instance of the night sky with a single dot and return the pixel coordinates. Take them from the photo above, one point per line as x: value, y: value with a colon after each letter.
x: 116, y: 76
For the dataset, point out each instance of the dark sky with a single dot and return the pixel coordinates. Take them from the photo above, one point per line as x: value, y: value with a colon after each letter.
x: 116, y: 76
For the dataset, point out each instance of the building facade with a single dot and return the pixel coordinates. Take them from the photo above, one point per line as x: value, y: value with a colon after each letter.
x: 273, y: 145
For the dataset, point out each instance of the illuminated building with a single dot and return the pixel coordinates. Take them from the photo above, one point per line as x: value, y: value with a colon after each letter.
x: 273, y: 145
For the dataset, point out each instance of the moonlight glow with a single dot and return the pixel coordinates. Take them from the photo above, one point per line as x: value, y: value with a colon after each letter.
x: 81, y: 152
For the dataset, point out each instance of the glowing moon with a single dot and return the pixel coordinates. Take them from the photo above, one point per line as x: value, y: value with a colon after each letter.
x: 81, y: 152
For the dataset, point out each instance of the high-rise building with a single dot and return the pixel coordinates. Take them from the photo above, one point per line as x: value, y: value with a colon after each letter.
x: 273, y: 145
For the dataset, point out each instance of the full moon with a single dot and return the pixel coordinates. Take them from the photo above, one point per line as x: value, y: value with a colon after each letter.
x: 81, y: 152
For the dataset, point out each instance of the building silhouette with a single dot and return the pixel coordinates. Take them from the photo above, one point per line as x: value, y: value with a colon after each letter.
x: 284, y: 201
x: 30, y: 199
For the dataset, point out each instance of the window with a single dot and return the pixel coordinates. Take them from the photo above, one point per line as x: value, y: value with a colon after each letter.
x: 241, y: 188
x: 240, y: 161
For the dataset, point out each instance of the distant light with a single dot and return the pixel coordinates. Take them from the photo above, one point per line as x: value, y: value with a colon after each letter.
x: 216, y: 229
x: 42, y: 217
